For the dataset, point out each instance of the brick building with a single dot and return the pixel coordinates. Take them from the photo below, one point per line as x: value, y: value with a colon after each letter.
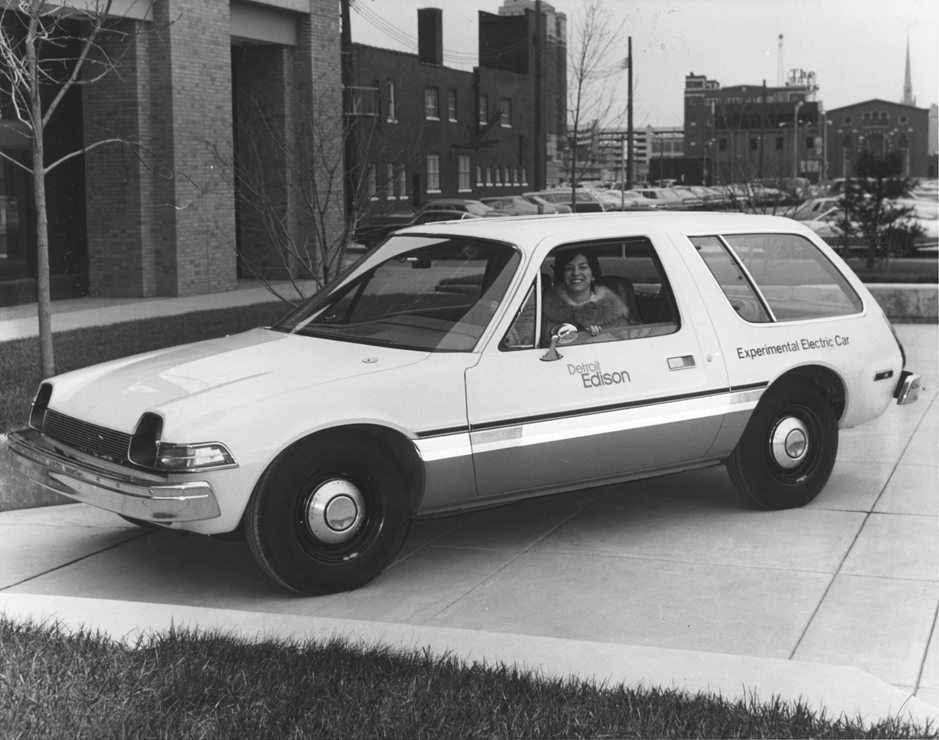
x: 165, y: 223
x: 425, y: 131
x: 879, y: 126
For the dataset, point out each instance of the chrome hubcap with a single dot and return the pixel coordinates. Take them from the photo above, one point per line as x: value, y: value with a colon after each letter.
x: 789, y: 442
x: 335, y: 511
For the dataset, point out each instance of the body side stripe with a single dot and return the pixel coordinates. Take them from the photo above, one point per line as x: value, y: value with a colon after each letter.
x: 617, y: 418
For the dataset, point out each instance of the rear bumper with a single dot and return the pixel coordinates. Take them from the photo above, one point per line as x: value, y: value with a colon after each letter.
x: 123, y: 493
x: 907, y: 390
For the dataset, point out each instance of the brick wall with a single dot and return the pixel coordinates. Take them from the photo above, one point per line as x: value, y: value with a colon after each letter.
x: 117, y: 186
x: 192, y: 97
x: 166, y: 226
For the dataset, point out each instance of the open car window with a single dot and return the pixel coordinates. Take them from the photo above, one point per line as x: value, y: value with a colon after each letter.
x: 437, y: 294
x: 631, y: 297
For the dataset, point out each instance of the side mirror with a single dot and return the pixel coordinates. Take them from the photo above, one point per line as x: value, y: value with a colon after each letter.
x: 562, y: 334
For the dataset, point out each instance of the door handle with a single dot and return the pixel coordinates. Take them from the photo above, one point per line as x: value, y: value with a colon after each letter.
x: 681, y: 363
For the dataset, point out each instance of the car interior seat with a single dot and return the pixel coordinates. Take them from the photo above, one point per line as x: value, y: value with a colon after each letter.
x: 622, y: 287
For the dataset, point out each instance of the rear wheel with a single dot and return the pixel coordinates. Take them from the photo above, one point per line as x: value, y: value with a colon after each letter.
x: 788, y: 448
x: 329, y: 514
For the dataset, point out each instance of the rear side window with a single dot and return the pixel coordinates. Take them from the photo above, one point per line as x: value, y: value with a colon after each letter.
x: 731, y: 278
x: 790, y: 279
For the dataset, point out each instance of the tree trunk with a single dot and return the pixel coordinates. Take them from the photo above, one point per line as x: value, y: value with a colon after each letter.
x: 43, y: 290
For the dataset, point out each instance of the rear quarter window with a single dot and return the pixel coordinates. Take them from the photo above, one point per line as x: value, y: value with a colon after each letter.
x: 789, y: 276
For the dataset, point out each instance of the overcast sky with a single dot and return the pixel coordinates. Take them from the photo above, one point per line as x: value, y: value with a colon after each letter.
x: 857, y: 48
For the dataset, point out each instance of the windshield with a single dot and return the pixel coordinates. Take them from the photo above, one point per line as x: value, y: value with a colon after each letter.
x: 432, y: 293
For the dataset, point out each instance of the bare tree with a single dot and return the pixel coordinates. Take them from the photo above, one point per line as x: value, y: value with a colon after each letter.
x: 290, y: 180
x: 38, y: 71
x: 593, y: 58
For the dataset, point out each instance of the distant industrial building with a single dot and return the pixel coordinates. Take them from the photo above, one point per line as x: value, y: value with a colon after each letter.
x: 744, y: 133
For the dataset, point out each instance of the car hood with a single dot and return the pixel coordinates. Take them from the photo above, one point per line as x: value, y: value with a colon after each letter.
x: 215, y: 374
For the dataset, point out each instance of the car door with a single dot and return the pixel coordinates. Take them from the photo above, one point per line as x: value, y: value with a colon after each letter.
x: 651, y: 397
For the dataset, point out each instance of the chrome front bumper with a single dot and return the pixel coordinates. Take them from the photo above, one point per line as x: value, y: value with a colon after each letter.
x: 907, y: 390
x: 123, y: 493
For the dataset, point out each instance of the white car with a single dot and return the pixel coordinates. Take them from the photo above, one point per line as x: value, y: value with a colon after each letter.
x: 435, y: 377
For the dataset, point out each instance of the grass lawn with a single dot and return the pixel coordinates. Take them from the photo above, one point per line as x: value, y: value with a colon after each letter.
x: 19, y: 359
x: 185, y: 685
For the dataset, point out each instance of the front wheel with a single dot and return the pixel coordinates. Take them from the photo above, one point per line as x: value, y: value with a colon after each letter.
x: 788, y: 448
x: 329, y: 514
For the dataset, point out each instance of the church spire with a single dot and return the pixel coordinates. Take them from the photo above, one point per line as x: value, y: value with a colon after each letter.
x: 908, y: 98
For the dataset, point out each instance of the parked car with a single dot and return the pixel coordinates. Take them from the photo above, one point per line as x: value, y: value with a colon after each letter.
x: 372, y: 232
x: 513, y: 205
x: 625, y: 200
x: 673, y: 200
x: 545, y: 206
x: 815, y: 207
x: 587, y: 202
x: 435, y: 377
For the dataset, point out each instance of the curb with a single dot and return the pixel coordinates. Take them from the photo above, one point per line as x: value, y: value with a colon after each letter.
x: 836, y: 689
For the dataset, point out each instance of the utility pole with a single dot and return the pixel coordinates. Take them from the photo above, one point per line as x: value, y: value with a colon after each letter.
x: 348, y: 120
x: 762, y: 128
x: 538, y: 149
x: 628, y: 184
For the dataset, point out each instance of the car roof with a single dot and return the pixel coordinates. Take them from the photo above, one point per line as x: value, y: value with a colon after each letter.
x: 527, y: 231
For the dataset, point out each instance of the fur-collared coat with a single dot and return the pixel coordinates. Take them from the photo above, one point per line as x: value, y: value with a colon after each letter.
x: 604, y: 309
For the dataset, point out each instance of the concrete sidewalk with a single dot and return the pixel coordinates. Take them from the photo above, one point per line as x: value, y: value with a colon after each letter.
x: 670, y: 582
x: 18, y: 322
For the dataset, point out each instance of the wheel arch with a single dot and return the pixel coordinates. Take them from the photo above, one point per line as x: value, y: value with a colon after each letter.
x: 827, y: 380
x: 393, y: 441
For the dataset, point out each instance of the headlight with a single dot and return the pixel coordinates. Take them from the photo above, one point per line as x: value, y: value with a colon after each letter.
x: 186, y: 458
x: 148, y: 450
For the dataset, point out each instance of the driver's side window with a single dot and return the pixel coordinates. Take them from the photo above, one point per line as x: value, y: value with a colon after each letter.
x: 601, y: 291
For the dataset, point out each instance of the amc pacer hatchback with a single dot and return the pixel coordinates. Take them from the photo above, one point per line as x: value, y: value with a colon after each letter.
x: 468, y: 364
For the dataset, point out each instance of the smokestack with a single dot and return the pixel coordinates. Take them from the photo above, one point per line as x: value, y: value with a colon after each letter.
x: 430, y: 36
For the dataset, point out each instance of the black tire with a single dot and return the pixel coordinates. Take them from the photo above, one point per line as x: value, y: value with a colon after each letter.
x: 288, y: 516
x: 799, y: 418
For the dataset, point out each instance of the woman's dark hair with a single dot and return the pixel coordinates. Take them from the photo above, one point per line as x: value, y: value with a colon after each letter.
x: 563, y: 259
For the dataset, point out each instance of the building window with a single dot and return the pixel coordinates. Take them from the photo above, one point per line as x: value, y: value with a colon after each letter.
x: 372, y: 182
x: 524, y: 176
x: 463, y: 166
x: 431, y: 106
x: 390, y: 181
x: 779, y: 143
x: 451, y: 104
x: 809, y: 142
x: 506, y: 120
x: 433, y: 173
x: 515, y: 175
x: 498, y: 176
x: 489, y: 175
x: 391, y: 117
x: 402, y: 185
x: 847, y: 120
x: 904, y: 120
x: 754, y: 144
x: 479, y: 175
x: 484, y: 109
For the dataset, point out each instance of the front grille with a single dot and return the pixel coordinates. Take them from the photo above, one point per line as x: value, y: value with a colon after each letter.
x: 86, y: 437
